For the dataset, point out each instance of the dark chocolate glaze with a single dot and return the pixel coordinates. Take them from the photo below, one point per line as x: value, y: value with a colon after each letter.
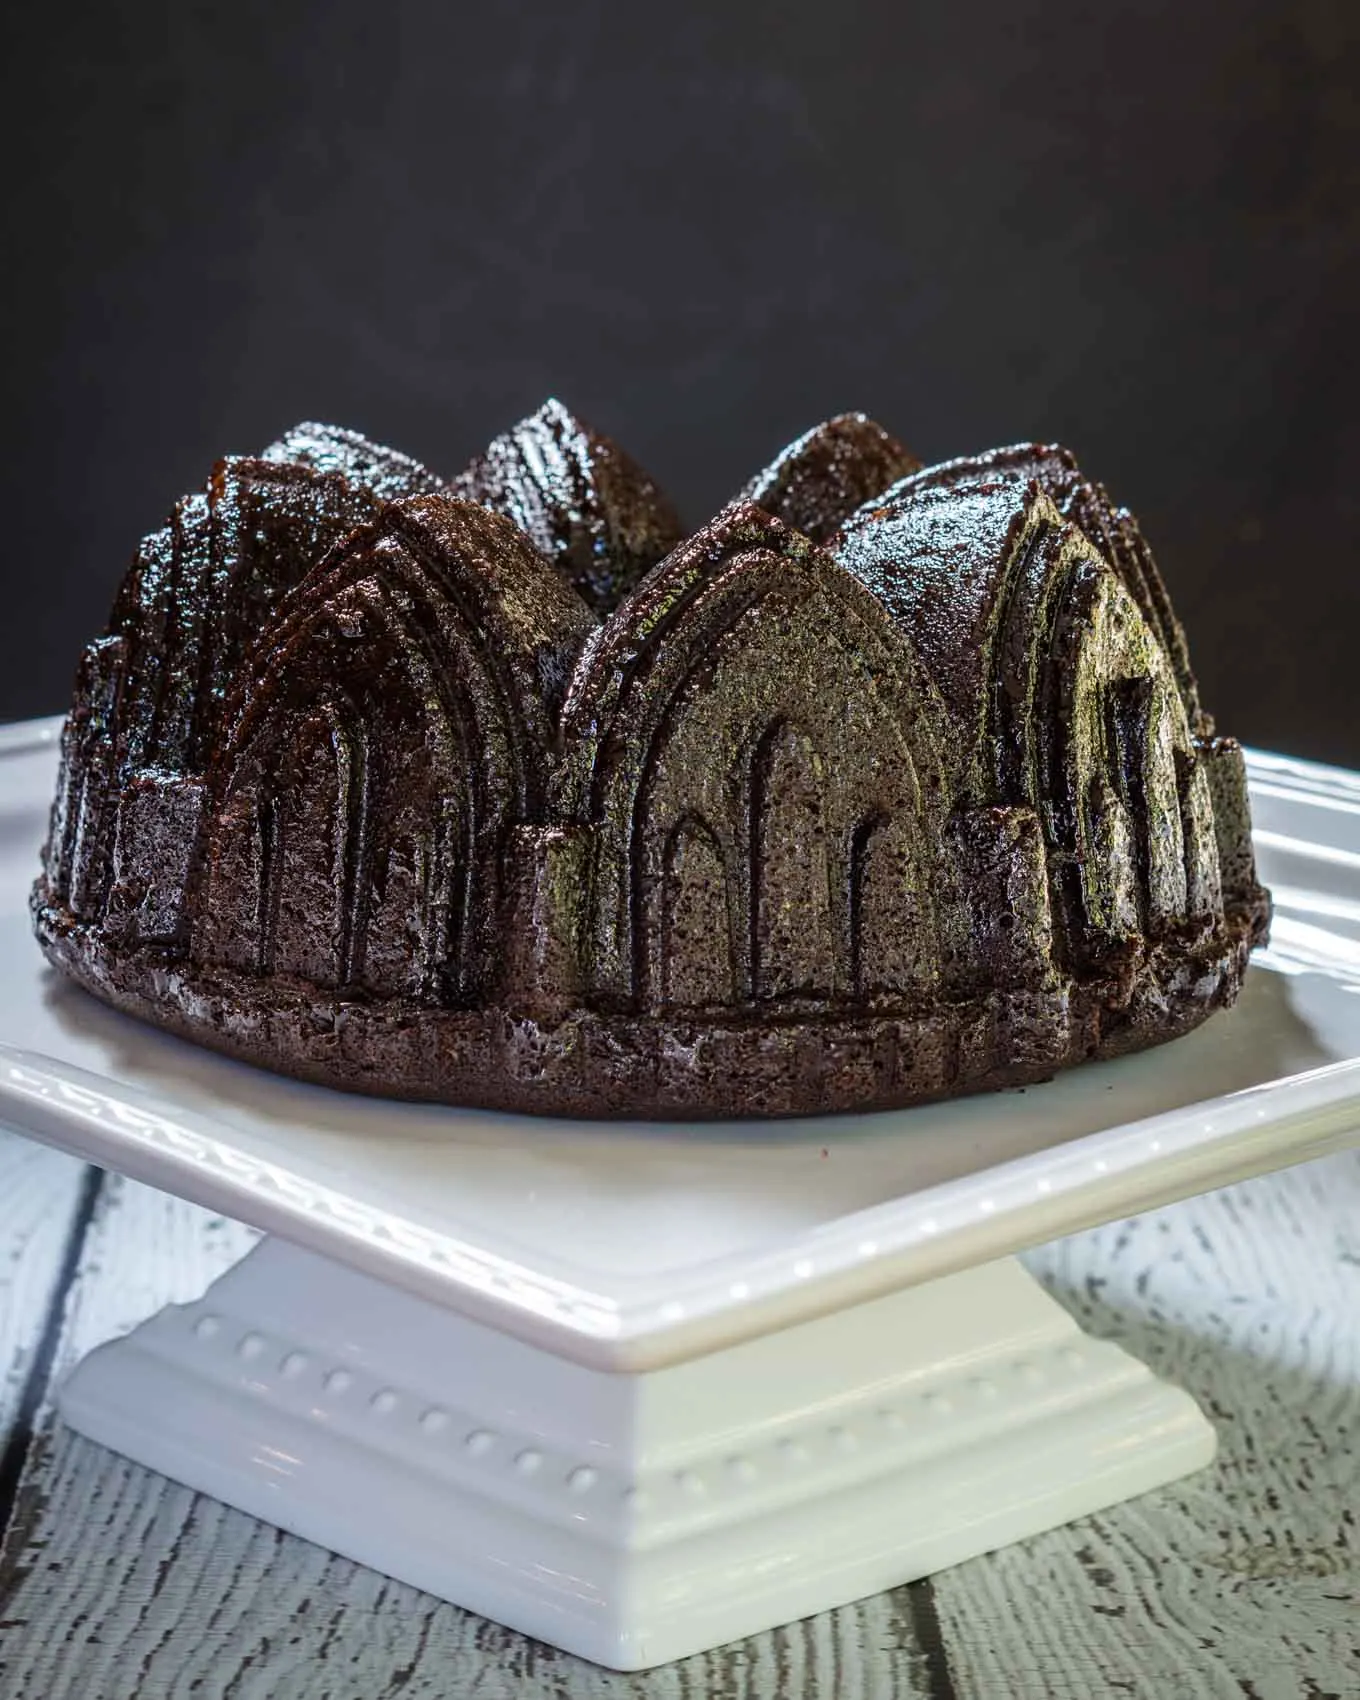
x: 820, y: 479
x: 358, y: 787
x: 389, y: 474
x: 1113, y: 530
x: 201, y: 590
x: 591, y: 510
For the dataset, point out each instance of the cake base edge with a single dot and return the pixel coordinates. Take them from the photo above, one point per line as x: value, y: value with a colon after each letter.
x: 590, y: 1064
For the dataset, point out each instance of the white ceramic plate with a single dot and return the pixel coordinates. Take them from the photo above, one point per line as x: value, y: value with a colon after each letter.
x: 628, y: 1246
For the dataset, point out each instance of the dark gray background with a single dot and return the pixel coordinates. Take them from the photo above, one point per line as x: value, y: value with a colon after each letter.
x: 1128, y: 228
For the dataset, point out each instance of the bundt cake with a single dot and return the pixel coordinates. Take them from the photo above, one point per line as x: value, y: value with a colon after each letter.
x: 890, y: 783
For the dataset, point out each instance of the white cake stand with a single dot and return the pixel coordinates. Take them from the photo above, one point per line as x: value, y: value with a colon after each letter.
x: 641, y: 1390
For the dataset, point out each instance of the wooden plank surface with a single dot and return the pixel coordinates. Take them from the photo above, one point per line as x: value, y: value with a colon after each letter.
x: 1244, y: 1582
x: 41, y: 1195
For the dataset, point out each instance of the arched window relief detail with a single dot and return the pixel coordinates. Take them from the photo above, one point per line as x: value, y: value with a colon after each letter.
x: 83, y: 816
x: 792, y: 943
x: 696, y: 933
x: 1177, y: 879
x: 712, y: 695
x: 892, y: 932
x: 314, y: 849
x: 413, y: 884
x: 1204, y: 881
x: 1109, y: 873
x: 394, y: 727
x: 329, y: 869
x: 1125, y: 822
x: 1167, y: 895
x: 414, y: 920
x: 233, y: 920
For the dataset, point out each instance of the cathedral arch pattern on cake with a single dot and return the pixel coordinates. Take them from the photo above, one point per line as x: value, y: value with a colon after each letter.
x: 1062, y: 694
x: 889, y: 783
x: 746, y: 630
x: 442, y: 669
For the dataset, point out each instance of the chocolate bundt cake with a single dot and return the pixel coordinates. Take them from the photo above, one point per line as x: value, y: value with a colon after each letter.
x: 890, y: 783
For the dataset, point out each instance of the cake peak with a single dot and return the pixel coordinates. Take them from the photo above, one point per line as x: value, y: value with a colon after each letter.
x: 822, y: 477
x: 388, y: 473
x: 587, y: 505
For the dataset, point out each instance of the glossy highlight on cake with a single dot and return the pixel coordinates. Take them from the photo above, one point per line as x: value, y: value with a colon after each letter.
x: 890, y: 783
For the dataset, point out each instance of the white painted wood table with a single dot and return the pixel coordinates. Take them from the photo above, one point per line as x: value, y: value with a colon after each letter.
x: 1242, y: 1582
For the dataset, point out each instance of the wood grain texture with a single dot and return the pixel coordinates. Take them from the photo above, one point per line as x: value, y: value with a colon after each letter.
x: 39, y: 1198
x: 126, y: 1587
x: 1244, y: 1581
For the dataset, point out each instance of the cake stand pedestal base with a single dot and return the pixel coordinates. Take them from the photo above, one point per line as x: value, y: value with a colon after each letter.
x: 637, y: 1518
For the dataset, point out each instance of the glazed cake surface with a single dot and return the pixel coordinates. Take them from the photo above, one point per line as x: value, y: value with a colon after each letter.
x: 890, y: 783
